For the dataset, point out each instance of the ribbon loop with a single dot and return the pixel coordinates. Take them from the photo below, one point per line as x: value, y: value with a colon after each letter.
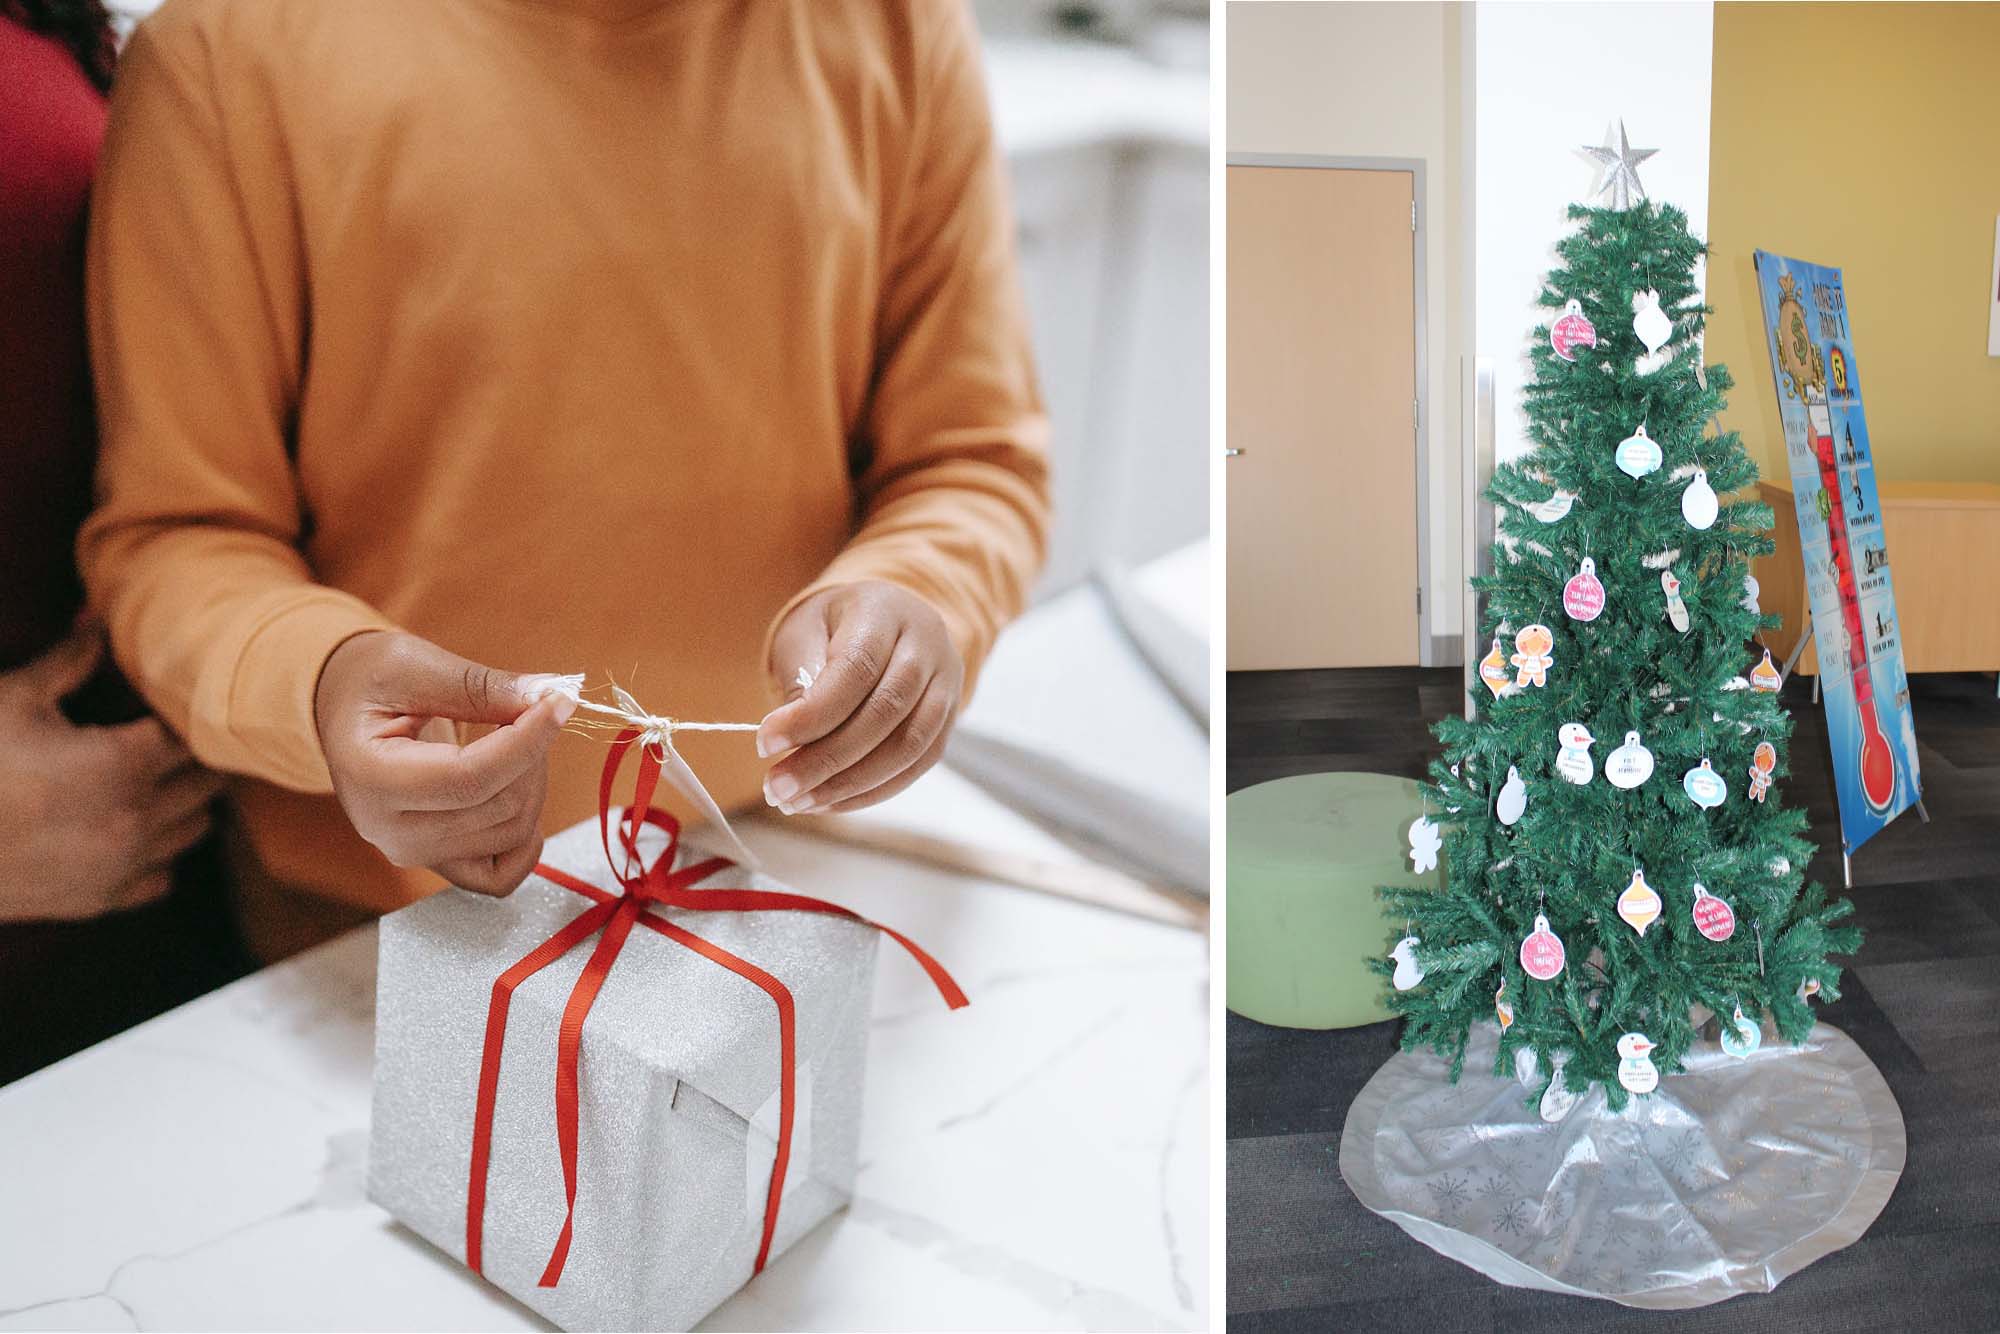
x: 647, y: 887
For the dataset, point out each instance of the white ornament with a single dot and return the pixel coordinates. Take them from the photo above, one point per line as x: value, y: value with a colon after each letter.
x: 1698, y: 503
x: 1557, y: 1100
x: 1677, y: 611
x: 1740, y: 1036
x: 1524, y: 1065
x: 1637, y: 455
x: 1555, y: 507
x: 1750, y: 591
x: 1704, y: 786
x: 1636, y: 1070
x: 1424, y: 845
x: 1629, y: 765
x: 1513, y: 797
x: 1649, y: 321
x: 1573, y: 759
x: 1408, y: 971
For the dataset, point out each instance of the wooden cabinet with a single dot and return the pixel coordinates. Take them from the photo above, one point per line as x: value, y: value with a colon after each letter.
x: 1943, y: 540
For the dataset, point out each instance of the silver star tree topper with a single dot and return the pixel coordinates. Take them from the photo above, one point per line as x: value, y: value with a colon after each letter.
x: 1621, y: 168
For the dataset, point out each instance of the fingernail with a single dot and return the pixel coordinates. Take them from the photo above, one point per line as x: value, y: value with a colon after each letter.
x: 781, y: 789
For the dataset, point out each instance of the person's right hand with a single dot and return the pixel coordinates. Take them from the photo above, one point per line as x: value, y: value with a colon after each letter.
x: 91, y: 818
x: 470, y: 813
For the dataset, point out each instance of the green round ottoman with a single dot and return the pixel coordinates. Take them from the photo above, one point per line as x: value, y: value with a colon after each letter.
x: 1305, y: 856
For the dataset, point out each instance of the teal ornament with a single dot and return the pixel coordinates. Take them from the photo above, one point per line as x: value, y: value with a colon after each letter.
x: 1637, y: 454
x: 1704, y: 786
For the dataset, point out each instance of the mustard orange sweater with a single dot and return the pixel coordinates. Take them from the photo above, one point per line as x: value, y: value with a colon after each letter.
x: 574, y: 335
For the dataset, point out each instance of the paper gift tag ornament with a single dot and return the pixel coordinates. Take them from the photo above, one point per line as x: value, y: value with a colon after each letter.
x: 1493, y: 671
x: 1572, y: 330
x: 1629, y: 765
x: 1704, y: 786
x: 1740, y: 1036
x: 1532, y: 655
x: 1503, y: 1009
x: 1542, y: 952
x: 1408, y: 971
x: 1751, y: 589
x: 1555, y: 508
x: 1636, y: 1070
x: 1639, y: 906
x: 1649, y: 322
x: 1764, y: 676
x: 1715, y: 919
x: 1557, y: 1100
x: 1424, y: 845
x: 1637, y: 454
x: 1583, y: 595
x: 1677, y: 611
x: 1763, y: 761
x: 1513, y: 797
x: 1573, y: 758
x: 1698, y: 503
x: 1808, y: 988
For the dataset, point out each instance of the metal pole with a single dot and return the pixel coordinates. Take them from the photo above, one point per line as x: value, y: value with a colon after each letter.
x: 1477, y: 531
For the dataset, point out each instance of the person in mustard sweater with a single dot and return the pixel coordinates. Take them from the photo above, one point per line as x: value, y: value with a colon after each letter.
x: 442, y: 346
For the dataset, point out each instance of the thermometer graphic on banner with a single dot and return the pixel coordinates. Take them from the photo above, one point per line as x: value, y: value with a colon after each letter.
x: 1878, y: 760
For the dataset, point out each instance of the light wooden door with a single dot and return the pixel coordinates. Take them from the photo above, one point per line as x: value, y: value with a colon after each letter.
x: 1323, y: 499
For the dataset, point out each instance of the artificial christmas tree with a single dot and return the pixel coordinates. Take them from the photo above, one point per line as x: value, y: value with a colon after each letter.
x: 1604, y: 913
x: 1618, y: 861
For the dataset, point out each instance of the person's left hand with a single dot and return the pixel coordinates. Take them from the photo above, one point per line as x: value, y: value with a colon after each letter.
x: 886, y: 687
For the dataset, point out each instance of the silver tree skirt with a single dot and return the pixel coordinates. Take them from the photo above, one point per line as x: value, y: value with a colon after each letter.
x: 1729, y: 1178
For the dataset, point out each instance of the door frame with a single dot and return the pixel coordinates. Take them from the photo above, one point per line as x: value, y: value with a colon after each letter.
x: 1427, y: 648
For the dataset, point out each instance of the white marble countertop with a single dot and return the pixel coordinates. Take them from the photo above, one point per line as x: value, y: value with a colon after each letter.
x: 1037, y: 1160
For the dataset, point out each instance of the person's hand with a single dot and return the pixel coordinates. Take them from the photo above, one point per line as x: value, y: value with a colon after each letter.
x: 470, y: 813
x: 886, y: 680
x: 91, y: 818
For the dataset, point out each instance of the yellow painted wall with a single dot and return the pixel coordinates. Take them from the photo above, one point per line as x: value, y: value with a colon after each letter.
x: 1895, y: 181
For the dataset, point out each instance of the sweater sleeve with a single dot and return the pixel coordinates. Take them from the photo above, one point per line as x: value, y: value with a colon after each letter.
x: 953, y: 481
x: 197, y: 316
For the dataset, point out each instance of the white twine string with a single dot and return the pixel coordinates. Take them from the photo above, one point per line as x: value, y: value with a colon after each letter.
x: 652, y: 727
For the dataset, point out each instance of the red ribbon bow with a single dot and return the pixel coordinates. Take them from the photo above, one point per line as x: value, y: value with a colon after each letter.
x: 616, y: 914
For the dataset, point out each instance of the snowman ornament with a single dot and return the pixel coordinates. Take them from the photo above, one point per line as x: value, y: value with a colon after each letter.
x: 1408, y: 971
x: 1573, y: 754
x: 1636, y: 1070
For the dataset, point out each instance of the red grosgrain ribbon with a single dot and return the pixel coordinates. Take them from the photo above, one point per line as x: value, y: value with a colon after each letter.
x: 615, y: 915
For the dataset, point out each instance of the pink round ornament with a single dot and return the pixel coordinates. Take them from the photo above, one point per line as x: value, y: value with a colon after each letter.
x: 1583, y: 595
x: 1572, y: 330
x: 1712, y: 917
x: 1541, y: 952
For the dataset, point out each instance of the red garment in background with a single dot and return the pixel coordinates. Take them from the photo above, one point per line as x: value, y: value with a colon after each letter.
x: 51, y: 120
x: 66, y: 985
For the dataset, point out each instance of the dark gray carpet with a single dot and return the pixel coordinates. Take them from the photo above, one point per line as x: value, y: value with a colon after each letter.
x: 1922, y: 999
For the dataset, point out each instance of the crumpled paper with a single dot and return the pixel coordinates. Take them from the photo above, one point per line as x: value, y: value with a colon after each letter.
x: 1728, y: 1179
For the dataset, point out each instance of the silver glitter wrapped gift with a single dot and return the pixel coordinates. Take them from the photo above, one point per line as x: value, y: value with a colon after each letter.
x: 678, y: 1091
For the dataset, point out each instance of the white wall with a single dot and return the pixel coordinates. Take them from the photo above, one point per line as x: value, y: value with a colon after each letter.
x: 1551, y: 77
x: 1374, y: 80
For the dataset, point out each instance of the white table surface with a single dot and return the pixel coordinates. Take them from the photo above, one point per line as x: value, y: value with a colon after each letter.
x: 1037, y: 1160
